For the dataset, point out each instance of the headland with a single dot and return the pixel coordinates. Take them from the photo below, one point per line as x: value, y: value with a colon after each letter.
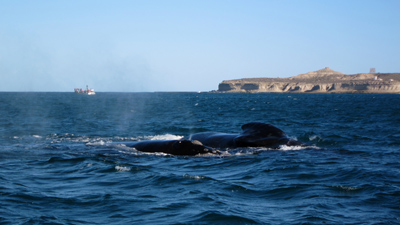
x: 321, y: 81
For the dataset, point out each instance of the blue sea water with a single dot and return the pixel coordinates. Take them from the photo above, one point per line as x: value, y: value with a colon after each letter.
x: 57, y: 165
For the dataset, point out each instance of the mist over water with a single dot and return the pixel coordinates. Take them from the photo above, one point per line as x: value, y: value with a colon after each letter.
x: 60, y: 161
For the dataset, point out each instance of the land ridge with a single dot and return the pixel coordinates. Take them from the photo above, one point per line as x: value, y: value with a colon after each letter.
x: 321, y: 81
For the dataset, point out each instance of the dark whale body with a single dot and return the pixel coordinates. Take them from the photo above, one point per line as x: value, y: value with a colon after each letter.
x: 253, y: 135
x: 174, y: 147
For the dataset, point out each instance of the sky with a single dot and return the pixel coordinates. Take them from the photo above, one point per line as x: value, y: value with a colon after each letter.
x: 189, y: 45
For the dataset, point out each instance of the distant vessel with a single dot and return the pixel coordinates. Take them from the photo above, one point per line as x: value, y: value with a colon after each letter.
x: 87, y: 91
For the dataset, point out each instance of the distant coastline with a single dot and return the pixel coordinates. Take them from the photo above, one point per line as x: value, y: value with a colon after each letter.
x: 321, y: 81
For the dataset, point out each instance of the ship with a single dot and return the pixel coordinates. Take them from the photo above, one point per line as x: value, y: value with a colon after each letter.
x: 87, y: 91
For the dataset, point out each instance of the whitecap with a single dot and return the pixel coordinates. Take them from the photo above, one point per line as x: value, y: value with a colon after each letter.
x: 122, y: 168
x: 347, y: 188
x: 155, y: 153
x: 165, y: 137
x: 194, y: 177
x: 243, y: 153
x: 96, y: 143
x: 295, y: 148
x: 315, y: 138
x: 290, y: 148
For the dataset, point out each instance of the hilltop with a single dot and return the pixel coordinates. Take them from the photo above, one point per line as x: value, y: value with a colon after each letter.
x: 321, y: 81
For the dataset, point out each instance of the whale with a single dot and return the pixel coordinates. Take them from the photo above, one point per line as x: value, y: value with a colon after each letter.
x: 254, y: 134
x: 173, y: 147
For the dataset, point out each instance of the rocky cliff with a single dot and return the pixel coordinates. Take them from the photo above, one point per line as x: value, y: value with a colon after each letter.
x: 321, y: 81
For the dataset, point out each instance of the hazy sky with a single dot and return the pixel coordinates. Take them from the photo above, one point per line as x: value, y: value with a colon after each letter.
x: 189, y: 45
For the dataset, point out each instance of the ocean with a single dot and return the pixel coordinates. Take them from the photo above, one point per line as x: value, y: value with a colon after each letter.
x: 61, y: 161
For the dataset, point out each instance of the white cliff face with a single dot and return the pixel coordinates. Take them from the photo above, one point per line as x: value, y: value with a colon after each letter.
x: 321, y: 81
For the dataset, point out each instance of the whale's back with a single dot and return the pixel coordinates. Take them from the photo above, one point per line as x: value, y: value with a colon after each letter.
x: 262, y: 129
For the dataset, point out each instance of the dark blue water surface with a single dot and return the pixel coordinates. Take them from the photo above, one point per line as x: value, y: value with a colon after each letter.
x: 57, y: 166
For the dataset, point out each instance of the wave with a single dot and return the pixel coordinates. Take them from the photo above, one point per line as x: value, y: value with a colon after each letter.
x: 218, y: 217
